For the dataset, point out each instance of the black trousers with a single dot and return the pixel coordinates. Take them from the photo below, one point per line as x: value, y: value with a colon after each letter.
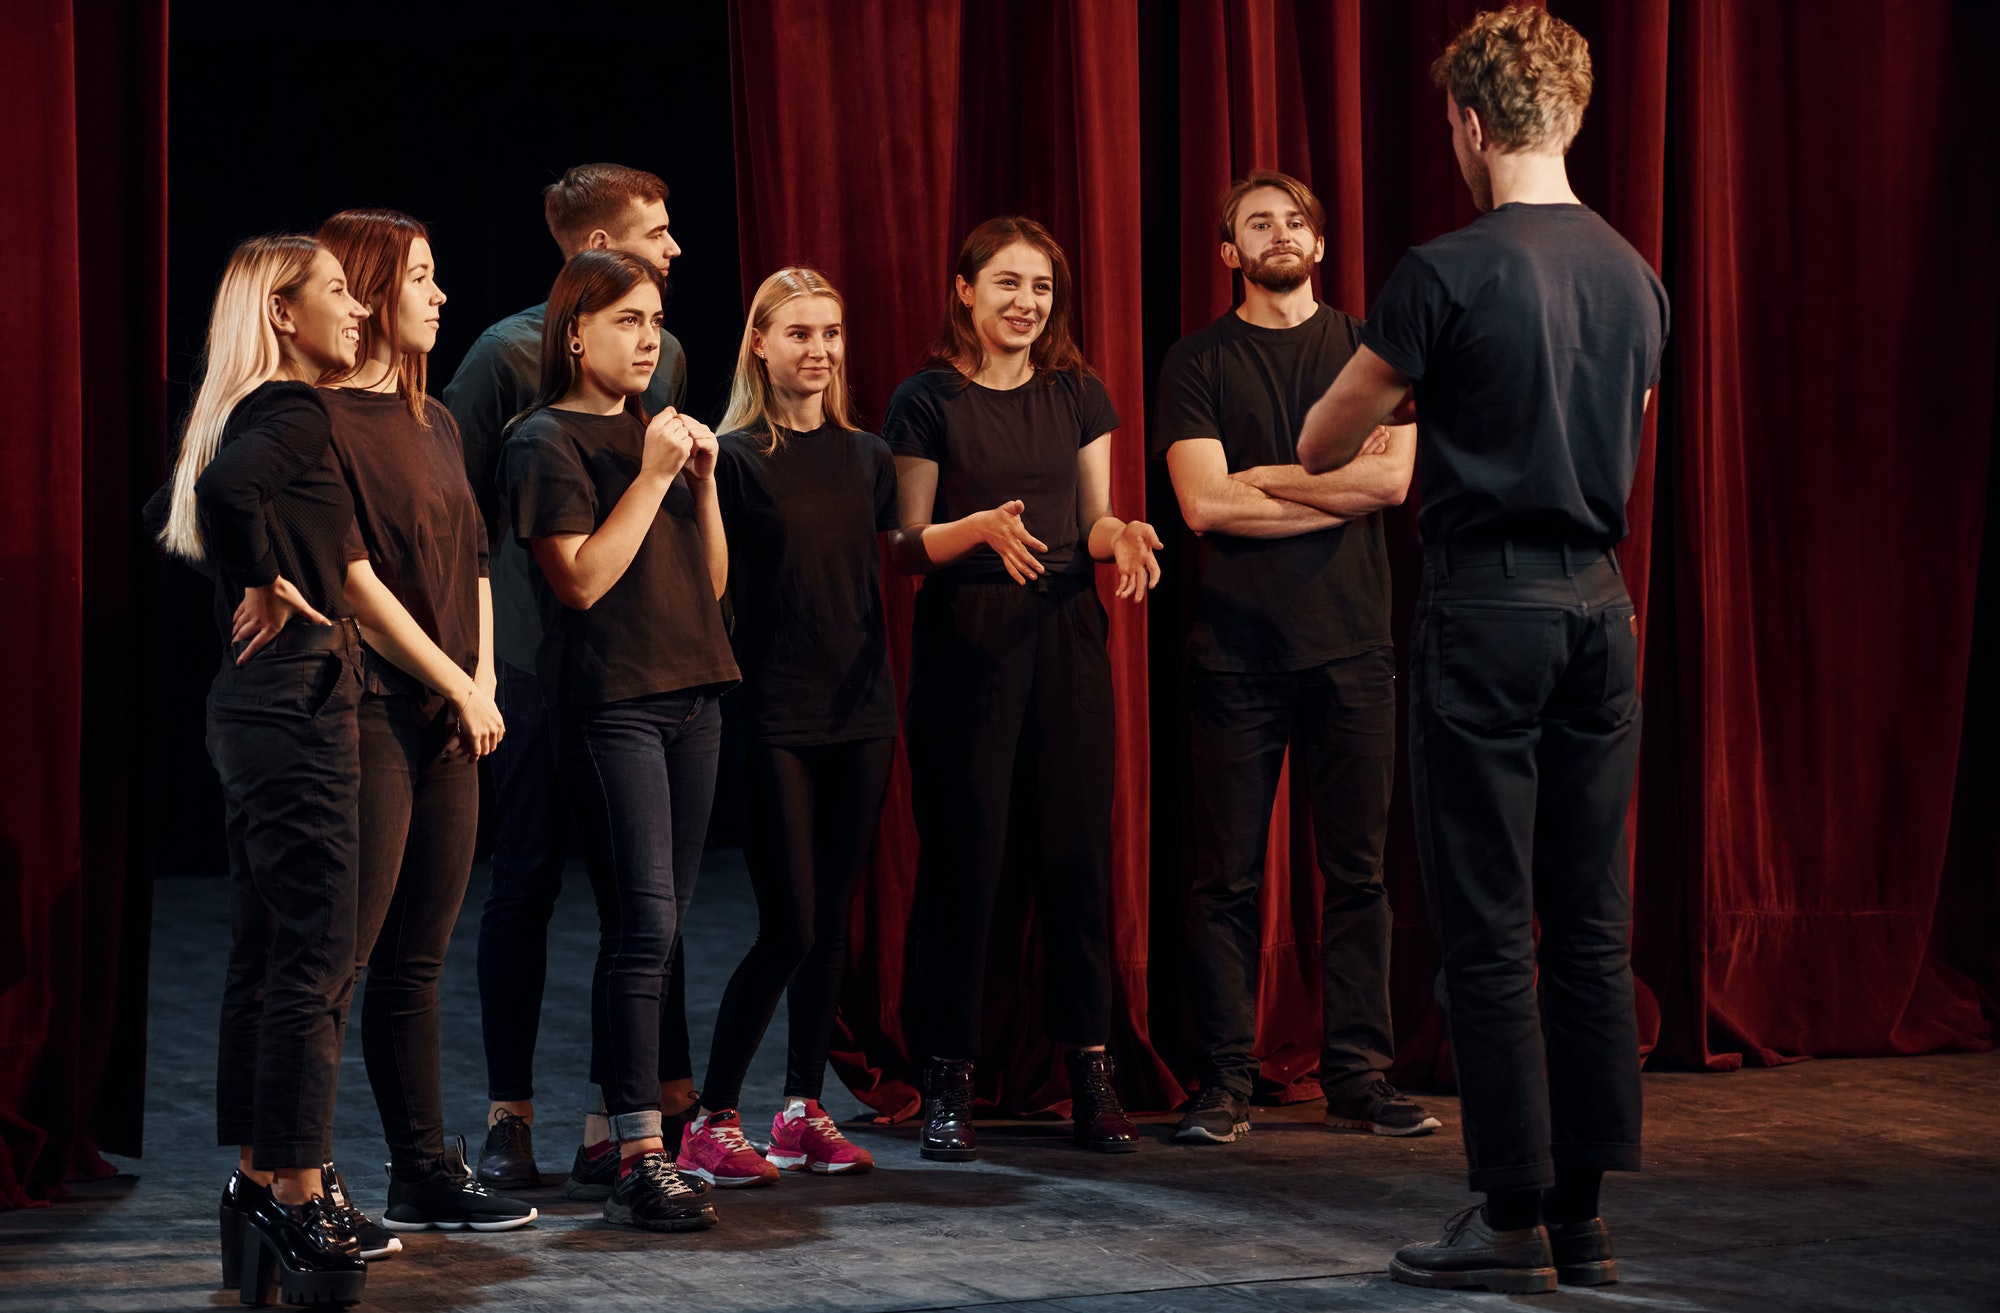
x: 1010, y: 736
x: 1524, y: 740
x: 419, y: 821
x: 283, y: 737
x: 1342, y: 718
x: 812, y: 814
x: 530, y: 837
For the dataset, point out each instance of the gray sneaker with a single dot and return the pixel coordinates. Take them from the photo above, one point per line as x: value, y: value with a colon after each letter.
x: 1381, y: 1108
x: 1217, y: 1117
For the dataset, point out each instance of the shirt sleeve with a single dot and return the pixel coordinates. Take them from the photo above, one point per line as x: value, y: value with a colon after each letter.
x: 1185, y: 406
x: 915, y: 425
x: 232, y: 493
x: 885, y: 484
x: 546, y: 489
x: 482, y: 398
x: 1409, y: 317
x: 1095, y: 412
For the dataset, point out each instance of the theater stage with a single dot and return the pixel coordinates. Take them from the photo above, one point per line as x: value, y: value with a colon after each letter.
x: 1831, y: 1185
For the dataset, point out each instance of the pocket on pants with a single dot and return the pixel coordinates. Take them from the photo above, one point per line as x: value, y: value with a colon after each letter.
x: 1496, y: 665
x: 1621, y: 664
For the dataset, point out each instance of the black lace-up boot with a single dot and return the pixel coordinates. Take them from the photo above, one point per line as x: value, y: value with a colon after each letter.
x: 1101, y: 1123
x: 948, y: 1136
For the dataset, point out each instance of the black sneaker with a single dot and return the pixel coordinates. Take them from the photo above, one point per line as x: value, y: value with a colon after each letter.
x: 371, y: 1240
x: 592, y: 1178
x: 1380, y: 1107
x: 508, y: 1160
x: 1217, y: 1117
x: 1473, y: 1256
x: 653, y: 1196
x: 450, y: 1200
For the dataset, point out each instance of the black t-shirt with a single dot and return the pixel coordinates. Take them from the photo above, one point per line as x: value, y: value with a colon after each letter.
x: 273, y: 503
x: 1268, y: 604
x: 992, y: 446
x: 1532, y: 334
x: 805, y: 576
x: 659, y: 627
x: 415, y: 518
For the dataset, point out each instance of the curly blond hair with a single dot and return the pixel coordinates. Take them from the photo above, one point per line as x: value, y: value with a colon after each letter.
x: 1526, y: 72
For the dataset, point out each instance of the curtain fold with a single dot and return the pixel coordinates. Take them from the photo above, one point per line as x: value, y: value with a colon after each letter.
x: 82, y: 357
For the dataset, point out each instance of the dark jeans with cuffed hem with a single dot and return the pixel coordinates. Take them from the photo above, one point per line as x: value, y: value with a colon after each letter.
x: 1341, y: 718
x: 640, y: 776
x: 812, y: 817
x: 419, y: 821
x: 1524, y: 741
x: 283, y: 736
x: 1011, y: 758
x: 530, y: 840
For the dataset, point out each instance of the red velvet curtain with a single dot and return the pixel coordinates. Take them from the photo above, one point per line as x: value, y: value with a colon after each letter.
x: 82, y: 361
x: 1806, y: 579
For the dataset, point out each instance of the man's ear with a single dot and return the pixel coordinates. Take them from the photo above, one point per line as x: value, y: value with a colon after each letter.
x: 599, y: 240
x: 1475, y: 130
x: 1319, y: 250
x: 1231, y: 256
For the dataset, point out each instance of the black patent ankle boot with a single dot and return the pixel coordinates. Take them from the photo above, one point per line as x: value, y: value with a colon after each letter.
x: 948, y: 1136
x: 239, y: 1197
x: 297, y: 1253
x: 1101, y: 1123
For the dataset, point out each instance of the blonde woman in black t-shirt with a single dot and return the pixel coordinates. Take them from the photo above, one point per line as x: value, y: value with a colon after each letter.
x: 619, y: 512
x: 804, y: 492
x: 1003, y: 462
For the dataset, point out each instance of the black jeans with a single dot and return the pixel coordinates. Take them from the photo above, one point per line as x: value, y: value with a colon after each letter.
x: 1524, y: 739
x: 530, y: 838
x: 1342, y: 718
x: 640, y: 775
x: 419, y: 820
x: 283, y: 737
x: 1010, y: 734
x: 812, y: 813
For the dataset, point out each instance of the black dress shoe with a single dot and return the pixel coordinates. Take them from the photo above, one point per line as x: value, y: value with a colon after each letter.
x: 948, y: 1136
x: 1472, y: 1255
x: 507, y: 1162
x: 1583, y: 1253
x: 299, y: 1252
x: 1101, y: 1123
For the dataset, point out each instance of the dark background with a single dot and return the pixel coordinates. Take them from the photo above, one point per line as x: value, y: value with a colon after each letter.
x: 498, y: 102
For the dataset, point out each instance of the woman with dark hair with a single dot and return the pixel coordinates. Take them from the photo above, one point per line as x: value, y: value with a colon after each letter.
x: 424, y: 721
x: 256, y: 502
x: 1003, y: 462
x: 620, y: 514
x: 804, y: 493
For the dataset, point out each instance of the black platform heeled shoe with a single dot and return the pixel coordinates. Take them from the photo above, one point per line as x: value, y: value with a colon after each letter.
x: 301, y: 1251
x: 239, y: 1196
x: 1100, y: 1120
x: 948, y: 1135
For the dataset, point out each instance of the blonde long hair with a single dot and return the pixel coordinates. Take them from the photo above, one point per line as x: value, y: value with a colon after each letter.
x: 751, y: 398
x: 241, y: 353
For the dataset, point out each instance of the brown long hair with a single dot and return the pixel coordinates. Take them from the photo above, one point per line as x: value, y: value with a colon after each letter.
x: 957, y: 345
x: 750, y: 395
x: 592, y: 281
x: 373, y: 246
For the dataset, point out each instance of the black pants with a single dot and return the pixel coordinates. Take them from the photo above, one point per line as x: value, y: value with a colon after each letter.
x: 282, y: 735
x: 1010, y: 734
x: 640, y: 775
x: 1342, y: 717
x: 812, y: 813
x: 1524, y: 739
x: 530, y: 839
x: 419, y: 820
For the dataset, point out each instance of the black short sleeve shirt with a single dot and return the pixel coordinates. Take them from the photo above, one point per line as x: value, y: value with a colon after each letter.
x: 805, y: 578
x: 1272, y: 604
x: 656, y: 630
x: 993, y: 446
x: 1532, y: 335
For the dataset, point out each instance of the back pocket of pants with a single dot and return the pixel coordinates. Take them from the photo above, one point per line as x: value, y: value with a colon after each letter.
x: 1496, y: 665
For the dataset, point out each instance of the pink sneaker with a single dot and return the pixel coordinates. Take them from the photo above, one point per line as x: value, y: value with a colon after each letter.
x: 714, y: 1149
x: 813, y: 1143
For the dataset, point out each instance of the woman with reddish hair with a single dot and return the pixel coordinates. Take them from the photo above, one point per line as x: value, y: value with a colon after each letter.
x: 1003, y: 464
x: 619, y: 512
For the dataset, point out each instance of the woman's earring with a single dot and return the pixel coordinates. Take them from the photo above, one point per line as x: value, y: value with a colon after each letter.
x: 575, y: 347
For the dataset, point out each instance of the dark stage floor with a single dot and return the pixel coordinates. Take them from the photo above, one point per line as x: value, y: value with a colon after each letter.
x: 1826, y: 1186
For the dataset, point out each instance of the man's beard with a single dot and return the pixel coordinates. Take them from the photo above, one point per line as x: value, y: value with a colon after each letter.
x: 1280, y: 279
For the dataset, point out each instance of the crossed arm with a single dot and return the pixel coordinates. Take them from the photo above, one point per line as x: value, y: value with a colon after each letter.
x: 1281, y: 501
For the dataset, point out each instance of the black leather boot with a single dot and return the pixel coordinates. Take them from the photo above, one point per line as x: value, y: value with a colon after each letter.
x: 948, y: 1136
x: 301, y: 1252
x: 239, y: 1196
x: 1101, y: 1123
